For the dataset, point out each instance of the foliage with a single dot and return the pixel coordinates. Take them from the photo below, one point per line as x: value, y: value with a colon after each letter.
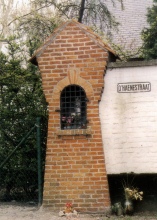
x: 44, y: 16
x: 21, y: 101
x: 90, y: 12
x: 36, y: 27
x: 149, y: 49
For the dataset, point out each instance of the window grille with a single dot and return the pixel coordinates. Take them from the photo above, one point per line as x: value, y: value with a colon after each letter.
x: 73, y: 108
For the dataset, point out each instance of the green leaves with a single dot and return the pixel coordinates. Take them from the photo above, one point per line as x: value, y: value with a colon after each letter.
x: 21, y: 101
x: 149, y: 48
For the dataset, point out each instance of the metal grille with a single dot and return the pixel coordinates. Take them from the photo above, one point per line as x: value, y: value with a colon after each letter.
x: 73, y: 108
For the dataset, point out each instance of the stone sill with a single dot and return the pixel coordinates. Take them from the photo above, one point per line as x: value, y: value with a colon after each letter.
x: 73, y: 132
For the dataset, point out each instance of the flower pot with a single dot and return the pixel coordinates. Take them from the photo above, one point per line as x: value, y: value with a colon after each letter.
x: 128, y: 207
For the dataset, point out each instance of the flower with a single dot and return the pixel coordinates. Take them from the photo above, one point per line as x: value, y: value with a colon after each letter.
x: 68, y: 120
x: 133, y: 194
x: 68, y: 205
x: 68, y: 211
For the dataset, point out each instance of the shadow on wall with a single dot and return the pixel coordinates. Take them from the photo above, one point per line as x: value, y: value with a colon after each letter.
x: 144, y: 182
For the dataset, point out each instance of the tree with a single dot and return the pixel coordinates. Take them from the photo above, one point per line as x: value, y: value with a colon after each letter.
x: 93, y: 13
x: 44, y: 16
x: 37, y: 21
x: 149, y: 48
x: 21, y: 101
x: 9, y: 10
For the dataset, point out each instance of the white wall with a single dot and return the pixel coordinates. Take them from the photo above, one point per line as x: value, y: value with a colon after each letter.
x: 129, y: 121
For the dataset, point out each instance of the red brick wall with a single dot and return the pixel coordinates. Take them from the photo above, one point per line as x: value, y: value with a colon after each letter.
x: 75, y: 167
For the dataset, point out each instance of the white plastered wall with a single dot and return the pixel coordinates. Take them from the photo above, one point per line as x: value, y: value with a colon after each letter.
x: 129, y: 122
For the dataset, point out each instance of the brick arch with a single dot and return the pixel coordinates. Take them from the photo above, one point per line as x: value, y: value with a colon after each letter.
x: 72, y: 78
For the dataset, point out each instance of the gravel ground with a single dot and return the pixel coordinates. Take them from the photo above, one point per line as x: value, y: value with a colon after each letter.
x: 29, y: 212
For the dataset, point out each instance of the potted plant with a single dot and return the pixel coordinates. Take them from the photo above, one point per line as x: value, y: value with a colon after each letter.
x: 130, y: 195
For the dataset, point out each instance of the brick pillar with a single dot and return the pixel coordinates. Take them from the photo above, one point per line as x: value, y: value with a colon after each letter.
x: 75, y: 166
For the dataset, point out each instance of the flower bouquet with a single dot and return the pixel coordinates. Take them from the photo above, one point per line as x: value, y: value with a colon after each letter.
x: 130, y: 195
x: 68, y: 211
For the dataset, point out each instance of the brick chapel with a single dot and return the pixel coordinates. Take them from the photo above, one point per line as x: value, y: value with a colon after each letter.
x: 72, y: 63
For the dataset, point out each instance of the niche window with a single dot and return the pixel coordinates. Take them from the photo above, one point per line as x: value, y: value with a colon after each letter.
x: 73, y: 108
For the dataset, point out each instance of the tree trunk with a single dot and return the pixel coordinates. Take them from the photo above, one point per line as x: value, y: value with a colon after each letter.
x: 81, y: 11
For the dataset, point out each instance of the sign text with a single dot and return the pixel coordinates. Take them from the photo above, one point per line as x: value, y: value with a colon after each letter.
x: 133, y: 87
